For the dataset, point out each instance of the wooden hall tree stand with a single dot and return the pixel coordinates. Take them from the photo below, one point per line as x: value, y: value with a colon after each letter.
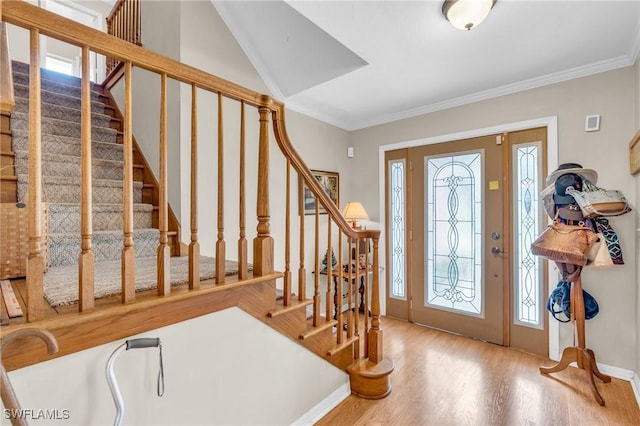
x: 585, y: 358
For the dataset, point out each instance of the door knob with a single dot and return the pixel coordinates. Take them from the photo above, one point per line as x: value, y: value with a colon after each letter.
x: 496, y: 250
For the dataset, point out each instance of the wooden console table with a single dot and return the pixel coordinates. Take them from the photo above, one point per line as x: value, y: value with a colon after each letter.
x: 585, y: 358
x: 354, y: 280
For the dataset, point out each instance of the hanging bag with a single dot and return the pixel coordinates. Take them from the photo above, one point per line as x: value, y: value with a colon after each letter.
x: 599, y: 257
x: 565, y: 243
x: 559, y: 302
x: 595, y: 201
x: 611, y: 238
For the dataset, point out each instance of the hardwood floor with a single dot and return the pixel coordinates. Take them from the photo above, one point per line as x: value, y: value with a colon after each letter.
x: 444, y: 379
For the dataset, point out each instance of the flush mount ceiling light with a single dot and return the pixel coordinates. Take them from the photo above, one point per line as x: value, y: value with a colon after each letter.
x: 466, y: 14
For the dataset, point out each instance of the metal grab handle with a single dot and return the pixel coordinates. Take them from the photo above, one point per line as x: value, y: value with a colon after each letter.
x: 143, y: 342
x: 111, y: 377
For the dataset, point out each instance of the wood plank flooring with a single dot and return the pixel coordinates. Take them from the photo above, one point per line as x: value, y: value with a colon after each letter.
x: 444, y: 379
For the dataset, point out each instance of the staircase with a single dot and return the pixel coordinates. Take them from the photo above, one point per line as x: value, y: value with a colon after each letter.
x: 61, y: 170
x: 350, y: 342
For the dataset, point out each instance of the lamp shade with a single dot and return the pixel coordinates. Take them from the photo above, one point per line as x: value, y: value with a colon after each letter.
x: 354, y: 211
x: 466, y: 14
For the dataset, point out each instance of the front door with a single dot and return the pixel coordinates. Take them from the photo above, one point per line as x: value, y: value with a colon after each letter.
x: 456, y: 209
x: 461, y: 216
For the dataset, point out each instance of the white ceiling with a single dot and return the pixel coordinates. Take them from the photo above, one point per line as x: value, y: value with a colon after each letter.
x: 355, y: 64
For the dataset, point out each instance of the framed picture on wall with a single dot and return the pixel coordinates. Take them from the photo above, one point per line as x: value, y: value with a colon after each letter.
x: 329, y: 181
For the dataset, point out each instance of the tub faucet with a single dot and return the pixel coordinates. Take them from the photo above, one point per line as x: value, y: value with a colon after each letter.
x: 9, y: 398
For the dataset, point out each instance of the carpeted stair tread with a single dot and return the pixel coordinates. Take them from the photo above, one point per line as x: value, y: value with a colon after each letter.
x: 53, y: 126
x: 58, y: 189
x: 54, y: 98
x: 18, y: 67
x: 66, y: 145
x: 66, y: 217
x: 70, y: 166
x: 70, y: 87
x: 106, y: 245
x: 63, y: 113
x: 60, y: 283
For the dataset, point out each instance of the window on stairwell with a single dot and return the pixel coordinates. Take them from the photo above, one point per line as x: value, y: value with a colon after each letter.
x: 59, y: 64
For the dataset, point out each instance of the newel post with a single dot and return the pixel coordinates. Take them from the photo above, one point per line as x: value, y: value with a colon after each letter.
x: 263, y: 243
x: 375, y: 333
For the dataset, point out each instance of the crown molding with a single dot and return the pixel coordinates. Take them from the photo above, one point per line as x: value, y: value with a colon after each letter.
x: 571, y: 74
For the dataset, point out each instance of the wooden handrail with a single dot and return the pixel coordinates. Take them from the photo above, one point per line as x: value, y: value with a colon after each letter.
x: 28, y: 16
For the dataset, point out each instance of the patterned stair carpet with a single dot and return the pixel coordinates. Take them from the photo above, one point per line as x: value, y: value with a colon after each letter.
x: 61, y: 188
x: 108, y: 278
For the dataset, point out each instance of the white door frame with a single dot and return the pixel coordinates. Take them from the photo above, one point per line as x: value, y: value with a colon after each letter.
x: 550, y: 122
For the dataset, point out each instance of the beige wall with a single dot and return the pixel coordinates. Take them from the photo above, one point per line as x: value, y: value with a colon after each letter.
x: 637, y: 212
x: 613, y: 333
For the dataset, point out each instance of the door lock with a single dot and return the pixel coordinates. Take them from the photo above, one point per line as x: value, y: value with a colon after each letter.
x: 495, y: 236
x: 496, y: 250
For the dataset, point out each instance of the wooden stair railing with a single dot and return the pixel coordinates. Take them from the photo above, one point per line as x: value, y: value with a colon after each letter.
x: 369, y: 369
x: 124, y: 22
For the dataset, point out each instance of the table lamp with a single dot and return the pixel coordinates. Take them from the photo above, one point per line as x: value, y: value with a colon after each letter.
x: 354, y: 212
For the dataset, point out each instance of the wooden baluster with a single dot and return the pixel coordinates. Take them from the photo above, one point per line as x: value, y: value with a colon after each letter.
x: 86, y: 261
x: 375, y: 333
x: 243, y: 267
x: 286, y: 297
x: 302, y: 271
x: 355, y: 289
x: 35, y: 261
x: 129, y: 21
x: 110, y: 60
x: 339, y: 290
x: 121, y: 20
x: 365, y: 297
x: 263, y: 243
x: 7, y: 99
x: 128, y: 252
x: 194, y: 246
x: 329, y: 299
x: 125, y: 21
x: 220, y: 244
x: 316, y: 278
x: 138, y: 24
x: 164, y: 273
x: 350, y: 325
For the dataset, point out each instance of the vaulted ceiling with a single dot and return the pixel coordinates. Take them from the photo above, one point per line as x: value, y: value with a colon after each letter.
x: 355, y: 64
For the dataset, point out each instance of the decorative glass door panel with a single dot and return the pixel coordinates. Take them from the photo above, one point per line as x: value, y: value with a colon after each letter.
x: 453, y: 218
x: 457, y: 205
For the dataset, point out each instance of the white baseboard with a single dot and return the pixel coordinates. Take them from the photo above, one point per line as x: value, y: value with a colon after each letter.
x: 622, y: 374
x: 324, y: 406
x: 635, y: 385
